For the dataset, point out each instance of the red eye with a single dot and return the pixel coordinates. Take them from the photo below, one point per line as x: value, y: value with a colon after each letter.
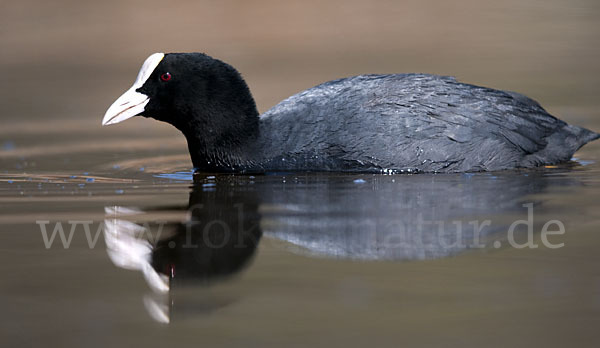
x: 165, y: 77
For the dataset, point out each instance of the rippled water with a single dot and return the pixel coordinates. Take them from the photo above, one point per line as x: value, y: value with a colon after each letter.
x: 156, y: 255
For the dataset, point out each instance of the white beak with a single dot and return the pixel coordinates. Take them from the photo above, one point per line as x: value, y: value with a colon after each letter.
x: 132, y: 103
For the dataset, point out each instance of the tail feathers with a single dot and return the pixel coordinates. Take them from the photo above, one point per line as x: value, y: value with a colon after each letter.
x: 583, y: 136
x: 560, y: 146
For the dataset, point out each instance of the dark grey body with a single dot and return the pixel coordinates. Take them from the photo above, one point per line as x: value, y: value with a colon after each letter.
x: 406, y: 123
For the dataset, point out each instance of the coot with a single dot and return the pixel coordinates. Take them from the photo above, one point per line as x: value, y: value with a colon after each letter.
x: 368, y: 123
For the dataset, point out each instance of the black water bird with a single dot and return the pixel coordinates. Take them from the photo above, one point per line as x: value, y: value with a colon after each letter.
x: 367, y: 123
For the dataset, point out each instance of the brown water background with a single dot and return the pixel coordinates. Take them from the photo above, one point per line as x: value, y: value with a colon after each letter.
x: 62, y: 63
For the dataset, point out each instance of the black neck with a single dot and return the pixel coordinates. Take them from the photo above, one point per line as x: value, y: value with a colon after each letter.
x: 225, y: 151
x: 214, y: 109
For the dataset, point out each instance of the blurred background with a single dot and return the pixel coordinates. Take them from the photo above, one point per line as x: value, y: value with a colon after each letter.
x: 70, y: 59
x: 63, y: 62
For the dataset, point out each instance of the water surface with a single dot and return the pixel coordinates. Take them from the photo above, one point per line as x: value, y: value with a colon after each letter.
x: 288, y: 258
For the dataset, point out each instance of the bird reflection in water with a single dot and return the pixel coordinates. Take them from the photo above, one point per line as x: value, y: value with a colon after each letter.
x: 405, y: 217
x: 218, y: 239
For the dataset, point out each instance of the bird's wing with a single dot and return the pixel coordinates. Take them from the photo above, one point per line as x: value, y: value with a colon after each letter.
x: 419, y: 121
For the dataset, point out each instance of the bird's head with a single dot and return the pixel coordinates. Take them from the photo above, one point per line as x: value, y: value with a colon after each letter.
x: 203, y: 97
